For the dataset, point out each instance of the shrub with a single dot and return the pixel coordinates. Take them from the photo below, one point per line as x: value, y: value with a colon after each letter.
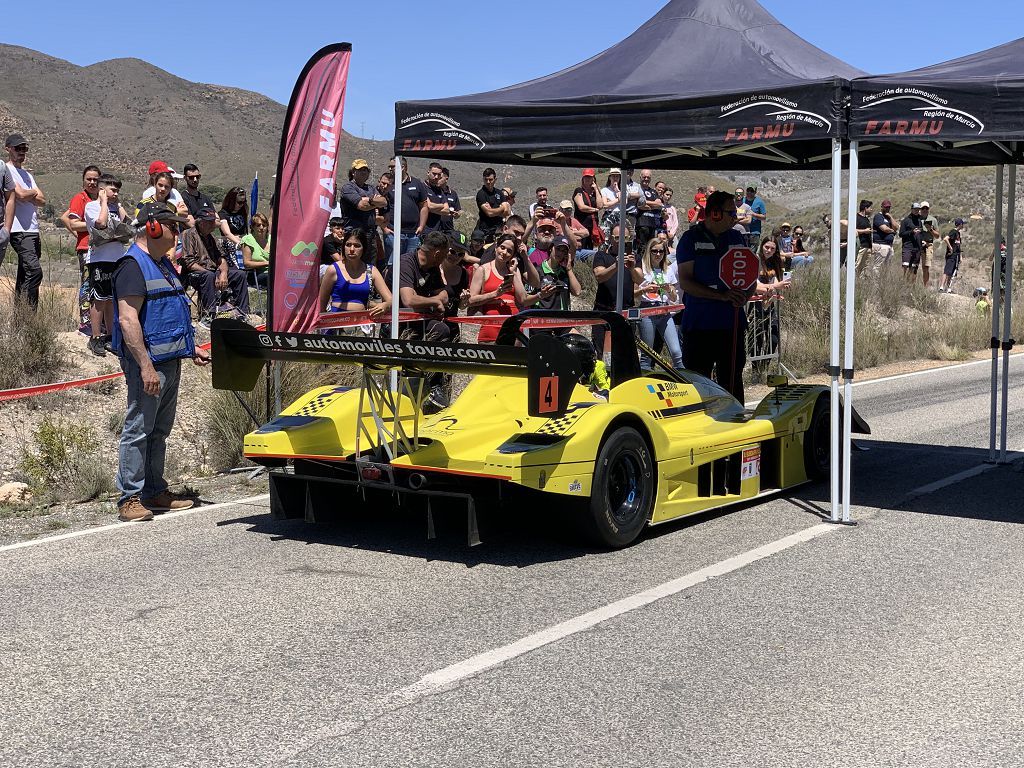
x: 66, y: 464
x: 30, y: 352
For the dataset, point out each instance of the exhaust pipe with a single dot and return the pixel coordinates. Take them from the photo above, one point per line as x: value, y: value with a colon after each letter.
x: 417, y: 481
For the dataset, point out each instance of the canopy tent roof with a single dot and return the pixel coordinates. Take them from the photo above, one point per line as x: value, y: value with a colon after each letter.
x: 703, y: 84
x: 967, y: 111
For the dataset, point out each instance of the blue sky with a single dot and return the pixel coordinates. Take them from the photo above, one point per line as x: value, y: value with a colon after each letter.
x: 412, y: 50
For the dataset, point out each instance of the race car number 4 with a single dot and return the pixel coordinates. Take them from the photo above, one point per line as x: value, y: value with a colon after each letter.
x: 751, y: 466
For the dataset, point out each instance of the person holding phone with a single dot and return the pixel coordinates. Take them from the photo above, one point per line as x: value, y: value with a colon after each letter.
x: 497, y: 287
x: 606, y: 272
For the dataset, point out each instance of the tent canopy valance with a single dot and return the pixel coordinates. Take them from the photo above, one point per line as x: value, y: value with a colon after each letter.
x: 704, y: 84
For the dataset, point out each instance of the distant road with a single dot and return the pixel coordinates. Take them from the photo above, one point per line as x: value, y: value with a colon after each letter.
x: 755, y: 637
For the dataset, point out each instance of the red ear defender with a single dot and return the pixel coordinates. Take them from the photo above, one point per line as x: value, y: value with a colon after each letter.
x: 154, y: 230
x: 715, y: 214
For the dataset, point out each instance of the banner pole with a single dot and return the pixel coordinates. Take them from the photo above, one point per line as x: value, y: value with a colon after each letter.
x: 851, y: 282
x: 996, y: 300
x: 833, y: 368
x: 396, y: 256
x: 1011, y: 215
x: 623, y: 224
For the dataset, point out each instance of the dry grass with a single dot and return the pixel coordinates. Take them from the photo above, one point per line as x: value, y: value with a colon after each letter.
x: 893, y: 320
x: 229, y: 420
x: 30, y: 352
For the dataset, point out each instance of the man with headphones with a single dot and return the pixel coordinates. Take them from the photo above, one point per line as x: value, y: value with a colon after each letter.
x: 152, y: 333
x: 714, y: 323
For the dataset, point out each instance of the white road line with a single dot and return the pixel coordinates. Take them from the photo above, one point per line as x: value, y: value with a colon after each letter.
x: 938, y: 369
x: 445, y: 678
x: 122, y: 526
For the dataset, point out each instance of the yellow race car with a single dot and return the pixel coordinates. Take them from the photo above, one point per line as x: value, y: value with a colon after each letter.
x: 654, y: 446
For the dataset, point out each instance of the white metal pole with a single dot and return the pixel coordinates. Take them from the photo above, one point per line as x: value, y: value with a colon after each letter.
x: 833, y: 366
x: 996, y: 298
x: 623, y: 223
x: 1011, y: 213
x: 396, y: 256
x: 851, y: 280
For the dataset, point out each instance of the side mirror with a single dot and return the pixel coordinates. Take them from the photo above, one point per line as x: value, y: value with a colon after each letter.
x: 778, y: 380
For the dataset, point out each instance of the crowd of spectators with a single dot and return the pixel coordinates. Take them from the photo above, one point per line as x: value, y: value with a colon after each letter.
x: 510, y: 262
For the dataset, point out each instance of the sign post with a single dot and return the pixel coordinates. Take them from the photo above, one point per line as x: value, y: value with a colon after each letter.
x: 738, y: 269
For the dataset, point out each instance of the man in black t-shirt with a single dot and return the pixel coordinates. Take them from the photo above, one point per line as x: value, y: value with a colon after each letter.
x: 414, y: 209
x: 359, y: 204
x: 883, y: 233
x: 606, y: 271
x: 195, y: 200
x: 332, y: 247
x: 454, y: 203
x: 421, y: 288
x: 648, y: 218
x: 439, y: 213
x: 863, y: 234
x: 493, y: 205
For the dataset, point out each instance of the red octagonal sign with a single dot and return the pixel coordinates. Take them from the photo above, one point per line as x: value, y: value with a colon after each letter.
x: 739, y: 268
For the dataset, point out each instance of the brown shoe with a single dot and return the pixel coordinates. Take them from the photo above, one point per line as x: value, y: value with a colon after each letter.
x: 166, y: 502
x: 132, y: 511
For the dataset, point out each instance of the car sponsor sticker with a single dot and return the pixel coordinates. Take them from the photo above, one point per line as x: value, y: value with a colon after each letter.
x: 575, y: 486
x: 751, y: 466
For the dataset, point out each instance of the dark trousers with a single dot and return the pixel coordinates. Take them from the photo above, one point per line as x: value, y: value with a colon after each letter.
x: 205, y: 283
x: 30, y: 273
x: 704, y: 351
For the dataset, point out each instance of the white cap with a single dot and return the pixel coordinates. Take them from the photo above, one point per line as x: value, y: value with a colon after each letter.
x: 915, y: 205
x: 614, y: 170
x: 924, y: 204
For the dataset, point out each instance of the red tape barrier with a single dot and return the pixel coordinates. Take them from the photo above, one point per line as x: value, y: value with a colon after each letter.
x: 554, y: 322
x: 349, y: 319
x: 44, y: 389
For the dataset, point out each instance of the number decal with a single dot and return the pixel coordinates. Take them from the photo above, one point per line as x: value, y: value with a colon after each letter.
x: 548, y: 394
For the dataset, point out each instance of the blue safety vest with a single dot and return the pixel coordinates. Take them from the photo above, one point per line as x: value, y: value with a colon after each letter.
x: 165, y: 317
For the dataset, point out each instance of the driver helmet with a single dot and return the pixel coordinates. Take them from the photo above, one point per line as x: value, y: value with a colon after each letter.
x: 585, y: 353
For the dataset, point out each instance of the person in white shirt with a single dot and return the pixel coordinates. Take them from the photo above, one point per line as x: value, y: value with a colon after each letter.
x: 28, y: 199
x: 174, y: 197
x: 109, y: 238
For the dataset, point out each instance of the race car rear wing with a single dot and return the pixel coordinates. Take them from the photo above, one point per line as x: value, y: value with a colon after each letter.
x: 240, y: 351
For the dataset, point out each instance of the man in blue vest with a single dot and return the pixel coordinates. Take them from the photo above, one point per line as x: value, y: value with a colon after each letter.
x: 152, y: 334
x: 714, y: 323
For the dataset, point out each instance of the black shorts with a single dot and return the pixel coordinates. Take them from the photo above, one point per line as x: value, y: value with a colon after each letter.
x: 952, y: 262
x: 101, y: 281
x: 911, y: 257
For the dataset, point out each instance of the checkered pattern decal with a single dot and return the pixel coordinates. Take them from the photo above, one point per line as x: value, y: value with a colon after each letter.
x: 560, y: 425
x: 662, y: 392
x: 321, y: 401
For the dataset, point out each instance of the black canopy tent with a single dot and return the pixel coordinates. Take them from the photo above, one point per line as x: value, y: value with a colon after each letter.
x: 966, y: 111
x: 704, y: 84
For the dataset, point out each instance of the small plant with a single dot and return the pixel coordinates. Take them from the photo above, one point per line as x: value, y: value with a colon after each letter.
x: 66, y: 464
x: 30, y: 352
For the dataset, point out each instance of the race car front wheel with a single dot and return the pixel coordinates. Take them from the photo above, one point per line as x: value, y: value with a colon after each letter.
x: 622, y: 494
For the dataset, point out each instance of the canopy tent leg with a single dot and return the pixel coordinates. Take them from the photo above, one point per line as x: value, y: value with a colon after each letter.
x: 396, y: 256
x: 833, y: 365
x: 996, y: 299
x: 1007, y: 345
x: 851, y: 282
x: 623, y: 224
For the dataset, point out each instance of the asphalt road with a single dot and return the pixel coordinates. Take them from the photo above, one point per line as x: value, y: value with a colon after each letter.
x: 224, y: 638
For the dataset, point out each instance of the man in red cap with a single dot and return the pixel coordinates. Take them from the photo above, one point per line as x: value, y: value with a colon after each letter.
x: 589, y: 202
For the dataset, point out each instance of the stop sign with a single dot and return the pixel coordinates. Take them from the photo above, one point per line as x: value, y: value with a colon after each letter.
x: 738, y: 268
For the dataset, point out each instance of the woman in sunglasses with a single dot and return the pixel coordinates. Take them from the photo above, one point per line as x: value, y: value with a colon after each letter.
x: 234, y: 221
x: 657, y: 289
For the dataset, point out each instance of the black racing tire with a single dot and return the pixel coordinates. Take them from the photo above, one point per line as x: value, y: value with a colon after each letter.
x: 818, y: 441
x: 623, y: 492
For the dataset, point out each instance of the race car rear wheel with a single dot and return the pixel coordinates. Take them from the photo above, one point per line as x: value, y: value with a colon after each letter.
x: 622, y: 495
x: 818, y: 441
